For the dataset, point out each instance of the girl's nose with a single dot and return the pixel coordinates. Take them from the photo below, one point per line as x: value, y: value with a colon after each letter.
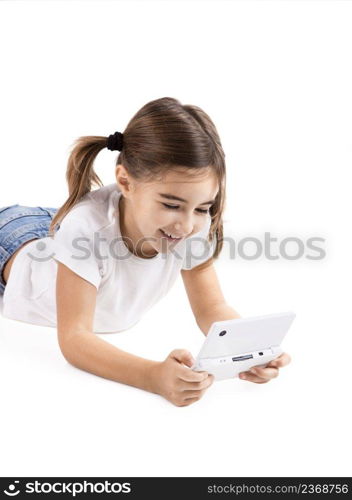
x: 185, y: 227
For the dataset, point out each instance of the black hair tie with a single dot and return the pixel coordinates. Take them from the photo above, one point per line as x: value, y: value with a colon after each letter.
x: 115, y: 141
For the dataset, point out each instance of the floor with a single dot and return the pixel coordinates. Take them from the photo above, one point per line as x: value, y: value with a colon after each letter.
x: 58, y: 420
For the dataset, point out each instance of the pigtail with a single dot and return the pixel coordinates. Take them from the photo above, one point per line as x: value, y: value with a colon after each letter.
x: 80, y: 174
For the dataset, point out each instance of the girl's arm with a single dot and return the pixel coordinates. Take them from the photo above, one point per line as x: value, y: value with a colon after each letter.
x: 205, y: 296
x: 220, y: 312
x: 93, y: 354
x: 76, y: 302
x: 171, y: 378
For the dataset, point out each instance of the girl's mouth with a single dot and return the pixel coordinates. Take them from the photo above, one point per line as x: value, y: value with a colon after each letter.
x: 164, y: 235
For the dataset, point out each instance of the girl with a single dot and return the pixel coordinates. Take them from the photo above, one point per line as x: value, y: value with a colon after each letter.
x: 106, y: 256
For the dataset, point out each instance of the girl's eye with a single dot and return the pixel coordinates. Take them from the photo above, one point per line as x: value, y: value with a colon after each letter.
x: 175, y: 207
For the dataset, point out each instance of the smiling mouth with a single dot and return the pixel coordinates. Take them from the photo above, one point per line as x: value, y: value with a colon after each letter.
x: 168, y: 237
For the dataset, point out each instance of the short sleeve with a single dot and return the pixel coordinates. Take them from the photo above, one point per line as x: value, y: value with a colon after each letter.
x: 198, y: 248
x: 73, y: 245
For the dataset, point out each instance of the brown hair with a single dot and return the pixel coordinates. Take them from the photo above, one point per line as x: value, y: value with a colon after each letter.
x: 164, y: 134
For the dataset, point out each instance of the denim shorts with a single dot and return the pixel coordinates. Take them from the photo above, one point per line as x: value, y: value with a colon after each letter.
x: 19, y: 224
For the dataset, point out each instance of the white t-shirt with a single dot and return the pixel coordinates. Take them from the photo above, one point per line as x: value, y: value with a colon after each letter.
x: 89, y: 242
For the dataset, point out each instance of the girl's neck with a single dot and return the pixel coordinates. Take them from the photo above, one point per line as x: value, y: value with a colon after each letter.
x: 128, y: 236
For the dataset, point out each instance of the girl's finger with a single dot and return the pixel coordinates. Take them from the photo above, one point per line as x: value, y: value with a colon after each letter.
x: 283, y: 360
x: 192, y: 394
x: 267, y: 372
x: 204, y: 384
x: 250, y: 377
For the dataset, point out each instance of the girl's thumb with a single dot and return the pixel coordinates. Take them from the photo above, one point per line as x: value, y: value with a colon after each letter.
x: 183, y: 356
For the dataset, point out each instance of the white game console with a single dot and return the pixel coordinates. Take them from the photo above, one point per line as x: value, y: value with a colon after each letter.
x: 235, y: 345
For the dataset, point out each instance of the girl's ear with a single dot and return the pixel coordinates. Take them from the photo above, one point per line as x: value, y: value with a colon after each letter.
x: 123, y: 180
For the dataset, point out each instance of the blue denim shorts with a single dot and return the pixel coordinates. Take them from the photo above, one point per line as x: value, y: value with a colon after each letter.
x: 19, y: 224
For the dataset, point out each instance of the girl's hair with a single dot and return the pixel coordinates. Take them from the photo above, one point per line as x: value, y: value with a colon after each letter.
x: 163, y: 135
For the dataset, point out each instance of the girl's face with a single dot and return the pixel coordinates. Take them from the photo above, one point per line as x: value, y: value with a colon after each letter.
x: 149, y: 209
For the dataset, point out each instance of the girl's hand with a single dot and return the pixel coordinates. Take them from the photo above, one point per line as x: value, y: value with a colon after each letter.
x: 261, y: 375
x: 176, y: 382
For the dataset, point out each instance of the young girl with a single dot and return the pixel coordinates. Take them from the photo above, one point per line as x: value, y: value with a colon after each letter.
x: 99, y: 262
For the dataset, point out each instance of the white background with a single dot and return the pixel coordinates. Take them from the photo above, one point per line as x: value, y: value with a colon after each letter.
x: 275, y: 77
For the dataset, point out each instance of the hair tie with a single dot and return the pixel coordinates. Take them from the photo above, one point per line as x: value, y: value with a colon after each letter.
x: 115, y: 141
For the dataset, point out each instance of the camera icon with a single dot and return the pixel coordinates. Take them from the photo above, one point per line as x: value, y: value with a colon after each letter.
x: 40, y: 255
x: 12, y: 492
